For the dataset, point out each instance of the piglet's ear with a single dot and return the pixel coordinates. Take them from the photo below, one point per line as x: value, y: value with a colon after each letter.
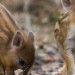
x: 66, y: 4
x: 31, y: 36
x: 17, y: 41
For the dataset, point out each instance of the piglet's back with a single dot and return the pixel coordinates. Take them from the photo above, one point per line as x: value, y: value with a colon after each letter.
x: 8, y: 26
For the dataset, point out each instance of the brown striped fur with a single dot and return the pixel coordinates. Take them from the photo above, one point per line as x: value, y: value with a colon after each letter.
x: 65, y: 35
x: 62, y: 34
x: 9, y: 53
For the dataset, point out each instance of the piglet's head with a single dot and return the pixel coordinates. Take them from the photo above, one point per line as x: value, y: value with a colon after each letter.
x: 22, y: 44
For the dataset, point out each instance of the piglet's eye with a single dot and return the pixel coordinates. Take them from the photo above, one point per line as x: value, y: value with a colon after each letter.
x: 22, y: 63
x: 69, y: 2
